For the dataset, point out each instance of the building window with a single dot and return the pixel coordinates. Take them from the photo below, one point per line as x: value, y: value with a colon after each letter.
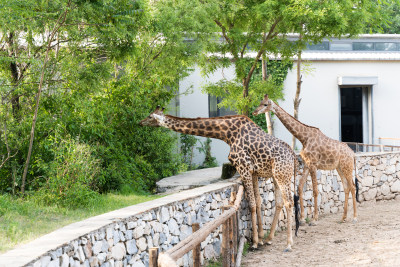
x: 320, y: 46
x: 385, y: 46
x: 340, y: 46
x: 363, y: 46
x: 214, y: 110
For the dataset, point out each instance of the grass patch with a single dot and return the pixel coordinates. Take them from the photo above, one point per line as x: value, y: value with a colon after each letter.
x: 215, y: 262
x: 24, y: 220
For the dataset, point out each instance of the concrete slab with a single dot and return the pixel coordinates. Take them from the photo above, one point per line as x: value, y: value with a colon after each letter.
x: 189, y: 179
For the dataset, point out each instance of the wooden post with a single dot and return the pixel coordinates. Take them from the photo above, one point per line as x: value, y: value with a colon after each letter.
x: 196, y: 250
x: 153, y: 257
x: 231, y: 242
x: 226, y: 257
x: 235, y: 232
x: 240, y: 251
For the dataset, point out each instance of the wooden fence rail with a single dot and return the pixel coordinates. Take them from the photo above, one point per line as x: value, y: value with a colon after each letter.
x: 366, y: 147
x: 228, y: 220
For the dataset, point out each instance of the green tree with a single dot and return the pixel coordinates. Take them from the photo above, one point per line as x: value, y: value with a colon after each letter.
x: 108, y: 65
x: 235, y: 31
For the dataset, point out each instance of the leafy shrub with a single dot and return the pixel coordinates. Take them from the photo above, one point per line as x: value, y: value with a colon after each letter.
x: 70, y: 179
x: 209, y: 160
x: 188, y: 143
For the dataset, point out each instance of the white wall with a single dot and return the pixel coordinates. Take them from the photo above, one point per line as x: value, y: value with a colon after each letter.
x: 196, y: 105
x: 319, y: 106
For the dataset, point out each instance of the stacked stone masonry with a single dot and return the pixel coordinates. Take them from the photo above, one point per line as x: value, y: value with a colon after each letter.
x: 126, y: 243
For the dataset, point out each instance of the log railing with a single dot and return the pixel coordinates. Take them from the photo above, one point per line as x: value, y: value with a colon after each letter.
x: 230, y: 252
x: 360, y: 147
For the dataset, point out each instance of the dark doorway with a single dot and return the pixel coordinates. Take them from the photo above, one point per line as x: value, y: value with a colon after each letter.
x: 351, y: 114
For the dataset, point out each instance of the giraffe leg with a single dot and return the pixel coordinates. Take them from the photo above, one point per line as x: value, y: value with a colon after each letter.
x: 348, y: 186
x: 259, y: 214
x: 278, y: 208
x: 243, y: 165
x: 289, y: 211
x: 287, y: 200
x: 353, y: 193
x: 300, y: 192
x: 313, y: 172
x: 346, y: 194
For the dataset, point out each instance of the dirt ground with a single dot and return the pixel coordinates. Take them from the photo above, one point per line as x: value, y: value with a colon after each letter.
x: 373, y: 241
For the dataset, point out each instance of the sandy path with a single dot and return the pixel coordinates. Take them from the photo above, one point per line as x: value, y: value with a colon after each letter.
x: 373, y: 241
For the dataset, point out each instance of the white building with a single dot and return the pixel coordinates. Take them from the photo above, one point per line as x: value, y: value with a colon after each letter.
x: 352, y: 93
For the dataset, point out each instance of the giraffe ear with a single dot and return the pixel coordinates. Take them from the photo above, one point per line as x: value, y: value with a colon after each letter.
x: 158, y: 107
x: 162, y: 109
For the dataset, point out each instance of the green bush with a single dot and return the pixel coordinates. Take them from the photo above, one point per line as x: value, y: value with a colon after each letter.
x: 70, y: 178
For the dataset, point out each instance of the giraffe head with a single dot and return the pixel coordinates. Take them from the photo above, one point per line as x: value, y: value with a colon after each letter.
x: 264, y: 106
x: 155, y: 119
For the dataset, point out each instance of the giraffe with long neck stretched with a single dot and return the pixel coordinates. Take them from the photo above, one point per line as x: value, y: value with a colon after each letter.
x: 254, y: 154
x: 318, y: 152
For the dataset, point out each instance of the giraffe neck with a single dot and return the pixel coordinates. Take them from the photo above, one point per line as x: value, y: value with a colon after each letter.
x: 207, y: 127
x: 298, y: 129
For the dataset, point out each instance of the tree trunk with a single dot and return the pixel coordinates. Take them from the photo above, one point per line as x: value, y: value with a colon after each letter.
x: 245, y: 111
x: 57, y: 26
x: 267, y: 114
x: 297, y: 99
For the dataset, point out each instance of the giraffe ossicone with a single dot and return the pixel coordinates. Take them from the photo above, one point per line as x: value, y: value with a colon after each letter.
x: 254, y: 154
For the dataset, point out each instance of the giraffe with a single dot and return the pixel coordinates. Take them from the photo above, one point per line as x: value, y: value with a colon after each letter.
x: 254, y: 154
x: 318, y: 152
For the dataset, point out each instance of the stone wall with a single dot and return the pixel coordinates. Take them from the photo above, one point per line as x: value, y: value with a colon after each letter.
x: 125, y: 241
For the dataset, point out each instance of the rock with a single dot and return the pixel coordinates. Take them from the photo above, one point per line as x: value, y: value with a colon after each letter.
x: 138, y: 232
x: 342, y: 196
x: 109, y: 233
x: 367, y: 181
x: 101, y: 257
x: 217, y: 247
x: 93, y: 262
x: 129, y: 234
x: 308, y: 195
x: 56, y: 254
x: 173, y: 227
x: 132, y: 225
x: 209, y: 251
x: 370, y: 194
x: 147, y: 229
x: 391, y: 169
x: 116, y: 237
x: 118, y: 251
x: 185, y: 231
x: 64, y: 261
x: 149, y: 241
x: 131, y: 247
x: 385, y: 189
x: 88, y: 250
x: 81, y: 254
x: 163, y: 238
x: 164, y: 215
x: 381, y: 167
x: 395, y: 187
x: 214, y: 204
x: 156, y: 239
x: 138, y: 264
x: 335, y: 184
x: 141, y: 243
x: 157, y: 227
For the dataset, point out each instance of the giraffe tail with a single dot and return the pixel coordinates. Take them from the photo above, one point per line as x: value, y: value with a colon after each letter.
x: 356, y: 179
x: 296, y: 199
